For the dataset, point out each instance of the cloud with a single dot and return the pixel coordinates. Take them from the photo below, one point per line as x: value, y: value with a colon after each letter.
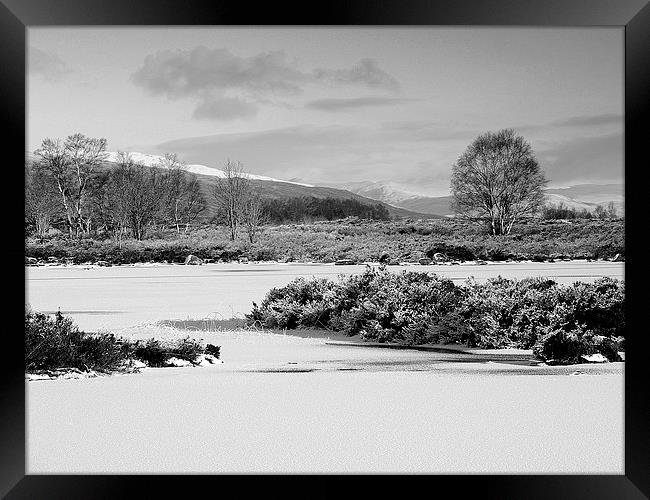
x: 354, y: 103
x: 46, y: 64
x: 227, y: 108
x: 322, y: 153
x: 591, y: 120
x: 212, y: 76
x: 582, y: 121
x: 595, y: 159
x: 183, y: 73
x: 366, y: 71
x: 356, y: 153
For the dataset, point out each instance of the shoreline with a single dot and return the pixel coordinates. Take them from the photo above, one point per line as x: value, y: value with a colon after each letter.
x: 325, y: 264
x: 307, y: 351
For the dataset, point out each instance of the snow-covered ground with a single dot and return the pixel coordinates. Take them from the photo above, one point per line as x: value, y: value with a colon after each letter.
x: 359, y: 410
x: 282, y: 403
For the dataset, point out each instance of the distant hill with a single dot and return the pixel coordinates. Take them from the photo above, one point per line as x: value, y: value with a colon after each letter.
x: 587, y: 196
x: 269, y: 187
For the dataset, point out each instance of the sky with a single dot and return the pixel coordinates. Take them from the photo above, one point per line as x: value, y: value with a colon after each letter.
x: 323, y: 105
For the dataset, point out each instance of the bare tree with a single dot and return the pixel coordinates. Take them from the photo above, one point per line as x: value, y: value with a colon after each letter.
x: 498, y: 177
x: 144, y: 186
x: 229, y: 192
x: 253, y: 213
x: 119, y: 196
x: 72, y: 164
x: 600, y: 212
x: 42, y: 204
x: 173, y: 181
x: 611, y: 210
x: 183, y: 201
x: 54, y: 160
x: 192, y: 202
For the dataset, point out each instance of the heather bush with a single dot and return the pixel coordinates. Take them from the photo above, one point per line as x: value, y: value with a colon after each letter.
x: 56, y: 342
x: 156, y: 353
x: 417, y: 308
x: 360, y: 241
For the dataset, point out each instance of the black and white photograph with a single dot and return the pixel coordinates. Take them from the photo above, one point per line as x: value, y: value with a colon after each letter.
x: 325, y: 249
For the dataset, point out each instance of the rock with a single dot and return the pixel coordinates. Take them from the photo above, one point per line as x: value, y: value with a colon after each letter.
x: 344, y: 262
x: 208, y: 261
x: 243, y: 260
x: 618, y: 258
x: 103, y: 263
x: 136, y: 363
x: 193, y: 260
x: 53, y: 260
x: 384, y: 258
x: 207, y: 360
x: 393, y: 262
x: 31, y: 261
x: 440, y: 257
x: 177, y: 362
x: 594, y: 358
x: 425, y: 261
x: 481, y: 262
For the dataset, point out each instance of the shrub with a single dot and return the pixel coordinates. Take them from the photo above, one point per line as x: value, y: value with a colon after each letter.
x: 565, y: 347
x: 358, y: 240
x: 156, y: 353
x: 417, y: 308
x: 56, y: 342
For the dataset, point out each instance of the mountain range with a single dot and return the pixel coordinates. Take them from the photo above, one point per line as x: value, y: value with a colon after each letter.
x: 587, y: 196
x: 399, y: 201
x: 269, y: 187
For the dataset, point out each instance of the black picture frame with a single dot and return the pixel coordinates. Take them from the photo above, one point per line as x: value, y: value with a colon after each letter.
x: 634, y: 15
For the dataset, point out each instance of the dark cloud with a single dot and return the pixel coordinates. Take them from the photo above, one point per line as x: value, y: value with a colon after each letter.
x: 226, y: 108
x: 210, y: 75
x: 183, y: 73
x: 354, y: 103
x: 46, y: 64
x: 593, y: 159
x: 366, y: 72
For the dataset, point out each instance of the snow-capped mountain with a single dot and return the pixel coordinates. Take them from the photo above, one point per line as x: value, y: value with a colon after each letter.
x: 151, y: 160
x: 587, y: 196
x: 388, y: 192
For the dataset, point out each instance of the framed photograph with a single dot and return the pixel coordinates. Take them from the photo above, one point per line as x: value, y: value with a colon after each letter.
x: 353, y: 239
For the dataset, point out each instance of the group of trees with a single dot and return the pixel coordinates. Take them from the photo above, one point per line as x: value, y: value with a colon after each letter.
x: 132, y: 198
x: 497, y: 178
x: 69, y: 186
x: 238, y: 201
x: 305, y: 209
x: 66, y: 184
x: 561, y: 211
